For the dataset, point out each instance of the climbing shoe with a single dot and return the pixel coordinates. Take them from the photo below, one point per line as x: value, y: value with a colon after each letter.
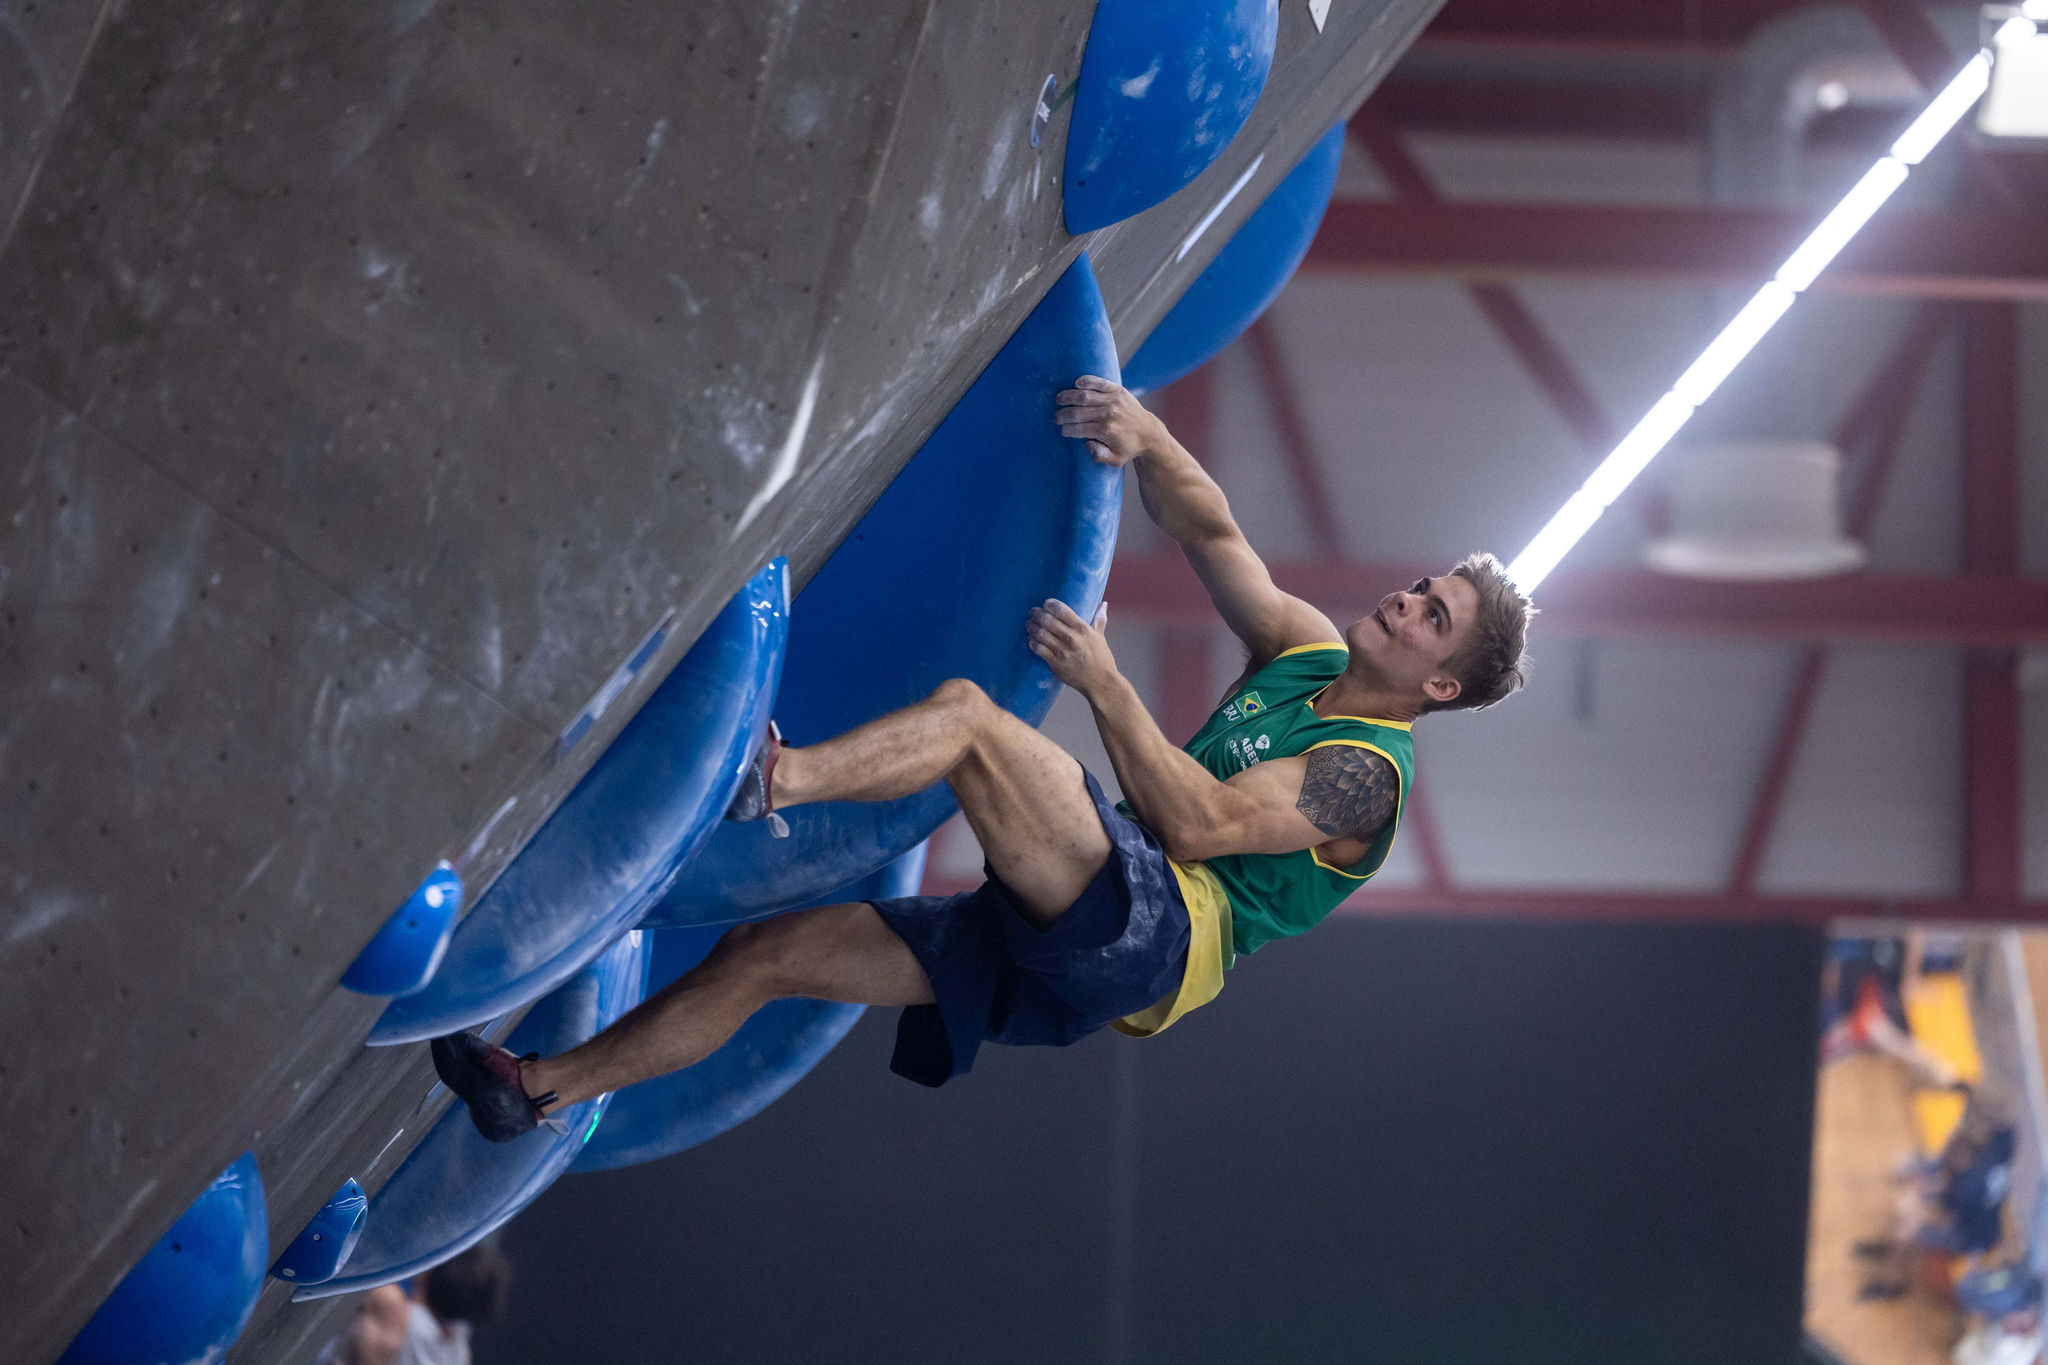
x: 486, y: 1078
x: 752, y: 801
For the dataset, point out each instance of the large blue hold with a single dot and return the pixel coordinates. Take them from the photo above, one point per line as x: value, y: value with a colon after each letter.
x: 1164, y: 86
x: 770, y: 1053
x: 615, y: 843
x: 1246, y: 276
x: 996, y: 513
x: 455, y: 1189
x: 186, y: 1301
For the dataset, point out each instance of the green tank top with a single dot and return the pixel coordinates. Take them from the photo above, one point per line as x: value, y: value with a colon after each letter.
x: 1275, y: 895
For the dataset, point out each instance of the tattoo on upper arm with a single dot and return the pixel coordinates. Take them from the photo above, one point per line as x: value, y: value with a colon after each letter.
x: 1348, y: 792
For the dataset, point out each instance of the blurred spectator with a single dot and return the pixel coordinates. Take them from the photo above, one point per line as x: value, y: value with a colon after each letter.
x: 428, y: 1322
x: 2004, y: 1308
x: 1864, y: 982
x: 1855, y: 969
x: 1954, y: 1208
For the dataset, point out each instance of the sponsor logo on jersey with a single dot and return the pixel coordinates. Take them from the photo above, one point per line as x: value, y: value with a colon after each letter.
x: 1247, y: 751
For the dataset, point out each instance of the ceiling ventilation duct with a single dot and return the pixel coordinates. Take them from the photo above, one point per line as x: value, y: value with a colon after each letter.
x: 1756, y: 510
x: 1767, y: 506
x: 1792, y: 70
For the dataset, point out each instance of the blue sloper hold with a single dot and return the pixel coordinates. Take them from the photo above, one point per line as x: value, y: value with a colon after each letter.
x: 1246, y: 276
x: 455, y: 1189
x: 323, y: 1246
x: 186, y: 1301
x: 615, y: 842
x: 770, y: 1053
x: 407, y: 950
x: 994, y: 514
x: 1164, y: 86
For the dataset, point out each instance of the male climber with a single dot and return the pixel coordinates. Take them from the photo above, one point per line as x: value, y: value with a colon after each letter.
x: 1284, y: 802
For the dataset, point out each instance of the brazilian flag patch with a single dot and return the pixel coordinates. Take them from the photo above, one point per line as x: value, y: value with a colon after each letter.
x: 1251, y: 704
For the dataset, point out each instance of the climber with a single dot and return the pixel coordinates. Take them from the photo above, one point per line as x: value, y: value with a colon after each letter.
x: 1093, y: 914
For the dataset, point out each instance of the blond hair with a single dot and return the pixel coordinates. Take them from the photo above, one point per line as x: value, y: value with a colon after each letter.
x: 1492, y: 663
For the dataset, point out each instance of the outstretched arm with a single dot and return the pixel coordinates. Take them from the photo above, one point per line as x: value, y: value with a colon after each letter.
x: 1329, y: 795
x: 1185, y: 503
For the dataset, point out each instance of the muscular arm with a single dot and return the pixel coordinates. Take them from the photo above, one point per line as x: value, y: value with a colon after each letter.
x: 1332, y: 794
x: 1347, y: 792
x: 1185, y: 503
x: 1172, y: 795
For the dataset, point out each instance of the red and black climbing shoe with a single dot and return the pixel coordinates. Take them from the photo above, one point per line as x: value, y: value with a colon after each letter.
x: 486, y: 1078
x: 752, y: 801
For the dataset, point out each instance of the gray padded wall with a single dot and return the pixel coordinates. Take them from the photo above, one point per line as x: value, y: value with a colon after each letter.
x: 372, y: 380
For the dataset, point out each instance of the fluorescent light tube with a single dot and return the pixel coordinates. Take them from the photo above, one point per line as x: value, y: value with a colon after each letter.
x: 1770, y: 303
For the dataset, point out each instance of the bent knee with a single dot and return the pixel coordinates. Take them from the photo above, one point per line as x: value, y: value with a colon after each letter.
x: 779, y: 955
x: 965, y: 695
x: 758, y: 947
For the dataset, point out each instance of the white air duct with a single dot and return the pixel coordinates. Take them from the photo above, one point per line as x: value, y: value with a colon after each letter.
x: 1794, y: 68
x: 1756, y: 510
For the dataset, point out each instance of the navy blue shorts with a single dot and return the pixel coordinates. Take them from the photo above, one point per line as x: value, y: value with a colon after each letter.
x: 1120, y: 948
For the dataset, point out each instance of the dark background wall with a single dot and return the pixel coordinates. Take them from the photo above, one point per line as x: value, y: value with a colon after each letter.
x: 1390, y: 1141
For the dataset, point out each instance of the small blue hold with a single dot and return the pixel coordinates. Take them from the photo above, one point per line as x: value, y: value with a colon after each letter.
x: 405, y: 952
x: 319, y: 1252
x: 188, y: 1299
x: 1246, y: 276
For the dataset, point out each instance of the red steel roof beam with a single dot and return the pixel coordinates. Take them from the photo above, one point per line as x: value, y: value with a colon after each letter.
x: 1914, y: 40
x: 1764, y: 807
x: 1526, y: 337
x: 1942, y: 254
x: 1186, y: 651
x: 1545, y: 362
x: 1188, y: 407
x: 1991, y: 519
x: 1418, y: 821
x: 1606, y: 49
x: 1318, y: 509
x: 1991, y: 539
x: 1186, y: 664
x: 1725, y: 22
x: 1428, y: 102
x: 1922, y: 50
x: 1877, y: 416
x: 1991, y: 777
x: 1390, y: 154
x: 1518, y: 109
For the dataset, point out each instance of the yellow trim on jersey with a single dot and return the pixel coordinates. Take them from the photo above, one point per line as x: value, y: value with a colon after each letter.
x: 1364, y: 720
x: 1400, y: 792
x: 1304, y: 649
x: 1368, y: 720
x: 1209, y: 952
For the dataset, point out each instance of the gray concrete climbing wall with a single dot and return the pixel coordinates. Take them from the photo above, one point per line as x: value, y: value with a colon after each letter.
x: 373, y: 380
